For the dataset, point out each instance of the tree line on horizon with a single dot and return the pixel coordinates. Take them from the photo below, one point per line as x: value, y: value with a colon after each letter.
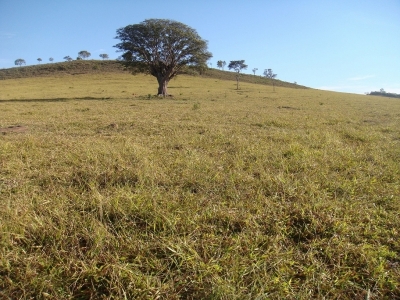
x: 383, y: 93
x: 85, y: 54
x: 162, y: 47
x: 267, y: 72
x: 81, y: 55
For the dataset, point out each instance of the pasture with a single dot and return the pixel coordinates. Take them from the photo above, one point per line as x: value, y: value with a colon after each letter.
x: 108, y: 192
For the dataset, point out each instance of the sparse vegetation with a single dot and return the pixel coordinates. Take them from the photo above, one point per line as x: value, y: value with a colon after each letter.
x: 106, y: 193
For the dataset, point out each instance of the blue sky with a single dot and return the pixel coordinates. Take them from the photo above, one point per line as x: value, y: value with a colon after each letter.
x: 340, y: 45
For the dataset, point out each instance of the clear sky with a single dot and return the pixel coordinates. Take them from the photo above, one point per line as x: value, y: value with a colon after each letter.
x: 341, y: 45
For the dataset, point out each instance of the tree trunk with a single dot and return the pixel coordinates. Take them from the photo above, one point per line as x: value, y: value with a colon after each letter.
x: 162, y: 86
x: 237, y: 81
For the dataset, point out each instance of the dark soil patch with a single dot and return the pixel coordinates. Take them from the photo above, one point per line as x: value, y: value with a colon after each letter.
x: 16, y: 128
x: 288, y: 107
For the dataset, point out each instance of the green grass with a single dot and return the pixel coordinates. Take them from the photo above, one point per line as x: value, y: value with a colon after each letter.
x: 112, y: 193
x: 63, y: 68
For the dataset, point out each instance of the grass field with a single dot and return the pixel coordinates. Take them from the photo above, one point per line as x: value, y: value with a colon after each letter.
x: 108, y: 192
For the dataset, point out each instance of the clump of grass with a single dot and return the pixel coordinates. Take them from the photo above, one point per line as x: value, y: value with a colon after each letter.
x: 196, y: 106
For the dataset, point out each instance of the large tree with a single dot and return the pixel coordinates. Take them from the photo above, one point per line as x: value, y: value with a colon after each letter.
x: 161, y: 47
x: 237, y: 65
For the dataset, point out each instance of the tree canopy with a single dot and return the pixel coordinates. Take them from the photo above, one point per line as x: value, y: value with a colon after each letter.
x: 20, y: 62
x: 161, y: 47
x: 269, y: 73
x: 221, y: 64
x: 104, y: 56
x: 237, y: 65
x: 84, y: 54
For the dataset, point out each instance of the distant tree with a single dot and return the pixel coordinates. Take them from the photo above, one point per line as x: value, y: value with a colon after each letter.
x: 383, y: 93
x: 39, y: 60
x: 254, y: 71
x: 237, y: 65
x: 51, y: 59
x: 68, y: 58
x: 270, y: 74
x: 20, y: 62
x: 162, y: 48
x: 221, y: 64
x: 84, y: 54
x: 104, y: 56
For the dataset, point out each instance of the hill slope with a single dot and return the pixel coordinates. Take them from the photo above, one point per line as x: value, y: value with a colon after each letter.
x: 63, y: 68
x: 107, y: 192
x: 112, y: 66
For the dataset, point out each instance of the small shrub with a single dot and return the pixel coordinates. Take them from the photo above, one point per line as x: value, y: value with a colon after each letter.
x: 196, y: 106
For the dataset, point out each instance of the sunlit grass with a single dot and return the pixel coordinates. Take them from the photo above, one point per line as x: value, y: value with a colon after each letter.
x: 214, y: 193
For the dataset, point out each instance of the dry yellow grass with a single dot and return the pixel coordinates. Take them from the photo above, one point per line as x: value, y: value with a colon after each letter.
x: 214, y: 193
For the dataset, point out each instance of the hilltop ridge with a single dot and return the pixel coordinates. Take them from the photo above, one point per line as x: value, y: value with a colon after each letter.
x: 78, y: 67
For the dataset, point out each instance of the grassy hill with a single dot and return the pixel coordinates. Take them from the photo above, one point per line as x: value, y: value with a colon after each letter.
x: 111, y: 66
x: 63, y: 68
x: 108, y: 192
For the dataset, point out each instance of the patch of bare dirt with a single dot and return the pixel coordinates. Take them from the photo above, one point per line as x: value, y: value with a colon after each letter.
x: 16, y: 128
